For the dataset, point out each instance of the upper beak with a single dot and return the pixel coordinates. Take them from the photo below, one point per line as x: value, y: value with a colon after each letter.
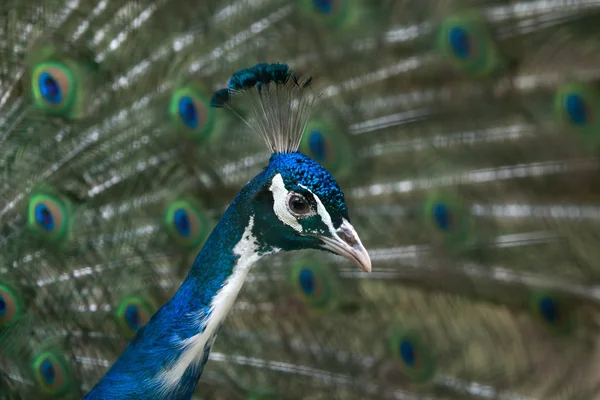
x: 346, y: 243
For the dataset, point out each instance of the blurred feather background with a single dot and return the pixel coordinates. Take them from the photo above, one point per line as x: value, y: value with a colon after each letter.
x: 463, y: 133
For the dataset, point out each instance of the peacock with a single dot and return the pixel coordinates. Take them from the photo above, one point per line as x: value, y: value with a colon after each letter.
x: 460, y: 136
x: 293, y: 204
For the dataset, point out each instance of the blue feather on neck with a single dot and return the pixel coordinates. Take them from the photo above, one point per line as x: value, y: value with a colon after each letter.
x: 166, y: 357
x: 159, y: 346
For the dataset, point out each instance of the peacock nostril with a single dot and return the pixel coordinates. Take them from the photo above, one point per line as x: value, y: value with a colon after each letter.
x: 347, y: 236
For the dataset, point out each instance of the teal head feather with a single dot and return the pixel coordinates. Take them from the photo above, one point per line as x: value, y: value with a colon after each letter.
x: 300, y: 205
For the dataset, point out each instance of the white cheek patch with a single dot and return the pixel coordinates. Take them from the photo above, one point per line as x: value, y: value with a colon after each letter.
x: 280, y: 197
x: 325, y: 217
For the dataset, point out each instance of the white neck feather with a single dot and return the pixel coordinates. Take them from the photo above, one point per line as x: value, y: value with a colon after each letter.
x: 247, y: 250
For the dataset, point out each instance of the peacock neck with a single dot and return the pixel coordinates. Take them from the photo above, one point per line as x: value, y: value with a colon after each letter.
x: 204, y: 299
x: 226, y: 255
x: 166, y: 356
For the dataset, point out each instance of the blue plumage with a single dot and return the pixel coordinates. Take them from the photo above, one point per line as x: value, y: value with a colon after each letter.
x: 220, y: 98
x: 182, y: 222
x: 464, y: 133
x: 307, y: 281
x: 247, y: 78
x: 43, y: 217
x: 442, y: 216
x: 159, y: 346
x: 460, y: 42
x: 132, y: 317
x: 10, y: 307
x: 293, y: 204
x: 50, y: 88
x: 407, y: 352
x: 323, y: 6
x: 188, y: 112
x: 47, y: 371
x: 549, y: 309
x: 576, y: 109
x: 254, y: 78
x: 318, y: 145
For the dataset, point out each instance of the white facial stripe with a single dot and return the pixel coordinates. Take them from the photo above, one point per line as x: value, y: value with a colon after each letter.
x: 280, y: 196
x: 325, y: 217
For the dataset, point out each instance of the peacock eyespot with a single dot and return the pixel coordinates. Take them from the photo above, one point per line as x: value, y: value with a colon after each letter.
x: 442, y: 216
x: 460, y: 42
x: 576, y: 106
x: 44, y: 217
x: 318, y: 145
x: 182, y: 223
x: 186, y: 223
x: 577, y: 110
x: 314, y: 284
x: 413, y: 356
x: 132, y: 317
x: 132, y: 314
x: 324, y: 143
x: 188, y: 112
x: 324, y: 6
x: 48, y: 371
x: 50, y: 88
x: 9, y: 306
x: 464, y: 41
x: 407, y: 353
x: 53, y: 87
x: 299, y: 206
x: 447, y: 218
x: 48, y: 218
x: 307, y: 281
x: 549, y: 309
x: 191, y: 112
x: 51, y: 373
x: 334, y: 14
x: 552, y: 311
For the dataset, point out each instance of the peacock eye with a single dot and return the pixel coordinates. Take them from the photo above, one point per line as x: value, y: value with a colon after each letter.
x: 298, y: 205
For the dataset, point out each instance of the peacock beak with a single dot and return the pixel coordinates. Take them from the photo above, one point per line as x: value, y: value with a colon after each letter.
x: 346, y: 243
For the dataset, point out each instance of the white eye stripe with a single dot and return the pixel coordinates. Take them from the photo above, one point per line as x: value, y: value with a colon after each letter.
x: 280, y: 198
x: 325, y: 217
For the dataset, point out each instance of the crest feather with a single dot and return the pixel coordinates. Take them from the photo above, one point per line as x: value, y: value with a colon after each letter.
x: 279, y: 102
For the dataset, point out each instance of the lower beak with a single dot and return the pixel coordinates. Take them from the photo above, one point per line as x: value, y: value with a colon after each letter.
x: 347, y: 244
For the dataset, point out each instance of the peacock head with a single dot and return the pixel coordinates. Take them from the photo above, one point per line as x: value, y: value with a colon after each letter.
x: 300, y: 206
x: 297, y: 203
